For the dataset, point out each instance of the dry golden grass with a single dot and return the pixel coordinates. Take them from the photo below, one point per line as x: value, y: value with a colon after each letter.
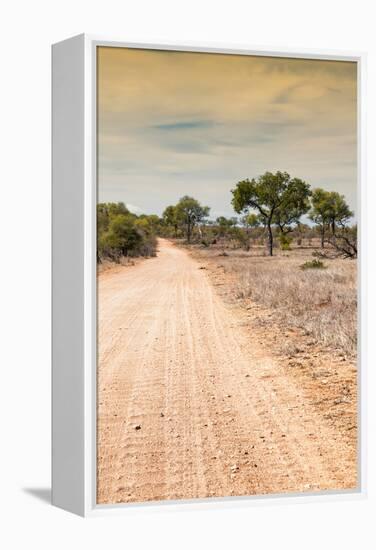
x: 321, y: 302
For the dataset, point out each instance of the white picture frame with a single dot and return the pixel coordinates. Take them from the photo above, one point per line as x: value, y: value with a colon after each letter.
x: 74, y: 275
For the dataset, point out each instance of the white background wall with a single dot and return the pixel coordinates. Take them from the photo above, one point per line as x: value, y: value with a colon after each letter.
x: 27, y: 30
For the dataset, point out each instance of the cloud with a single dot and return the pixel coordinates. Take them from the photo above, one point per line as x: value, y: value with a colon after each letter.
x: 185, y: 125
x: 175, y: 123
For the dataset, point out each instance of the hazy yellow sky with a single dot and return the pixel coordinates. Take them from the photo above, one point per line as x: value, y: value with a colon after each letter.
x: 177, y: 123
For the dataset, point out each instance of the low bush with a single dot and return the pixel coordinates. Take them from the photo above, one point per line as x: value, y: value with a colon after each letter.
x: 285, y: 241
x: 313, y: 264
x: 123, y: 234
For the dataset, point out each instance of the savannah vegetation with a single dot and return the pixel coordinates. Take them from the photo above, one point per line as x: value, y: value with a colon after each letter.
x: 270, y: 210
x: 289, y: 248
x: 121, y: 233
x: 317, y: 297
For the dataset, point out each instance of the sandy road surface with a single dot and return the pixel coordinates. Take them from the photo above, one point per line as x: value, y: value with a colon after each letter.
x: 188, y: 403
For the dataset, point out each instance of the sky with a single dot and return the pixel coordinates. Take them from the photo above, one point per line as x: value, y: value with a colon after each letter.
x: 179, y: 123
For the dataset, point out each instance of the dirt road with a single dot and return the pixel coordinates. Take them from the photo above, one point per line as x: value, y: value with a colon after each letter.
x: 190, y: 405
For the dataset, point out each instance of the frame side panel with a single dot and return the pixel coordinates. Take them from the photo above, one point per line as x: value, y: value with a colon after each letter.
x: 68, y: 449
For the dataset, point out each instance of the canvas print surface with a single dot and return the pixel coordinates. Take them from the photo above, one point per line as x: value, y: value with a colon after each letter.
x: 226, y: 275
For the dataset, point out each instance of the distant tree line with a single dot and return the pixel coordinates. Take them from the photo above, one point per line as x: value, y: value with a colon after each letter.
x: 270, y: 206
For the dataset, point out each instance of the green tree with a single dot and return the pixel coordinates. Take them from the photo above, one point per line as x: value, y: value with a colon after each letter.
x: 294, y: 205
x: 121, y: 233
x: 115, y: 208
x: 106, y: 211
x: 153, y: 222
x: 339, y: 213
x: 328, y: 210
x: 251, y: 220
x: 170, y: 218
x: 222, y: 221
x: 122, y: 236
x: 190, y: 213
x: 320, y: 211
x: 273, y: 196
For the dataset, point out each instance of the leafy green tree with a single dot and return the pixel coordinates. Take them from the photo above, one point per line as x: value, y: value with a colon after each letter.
x: 251, y: 220
x: 320, y: 211
x: 122, y: 236
x: 340, y: 213
x: 328, y: 210
x: 153, y: 222
x: 190, y: 213
x: 121, y: 233
x: 106, y: 211
x: 170, y: 218
x: 115, y: 208
x: 102, y: 218
x: 294, y: 205
x: 273, y: 196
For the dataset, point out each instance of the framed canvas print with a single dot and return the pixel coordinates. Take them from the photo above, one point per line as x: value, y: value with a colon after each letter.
x: 207, y: 208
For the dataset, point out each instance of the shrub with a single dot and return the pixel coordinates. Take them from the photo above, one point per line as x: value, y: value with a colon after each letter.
x: 285, y: 241
x: 123, y: 234
x: 313, y: 264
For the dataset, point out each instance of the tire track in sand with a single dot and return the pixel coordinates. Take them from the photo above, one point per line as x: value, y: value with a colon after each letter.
x: 189, y: 405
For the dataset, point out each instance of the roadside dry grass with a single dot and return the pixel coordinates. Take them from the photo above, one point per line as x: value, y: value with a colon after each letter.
x: 320, y: 302
x: 109, y: 265
x: 305, y: 319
